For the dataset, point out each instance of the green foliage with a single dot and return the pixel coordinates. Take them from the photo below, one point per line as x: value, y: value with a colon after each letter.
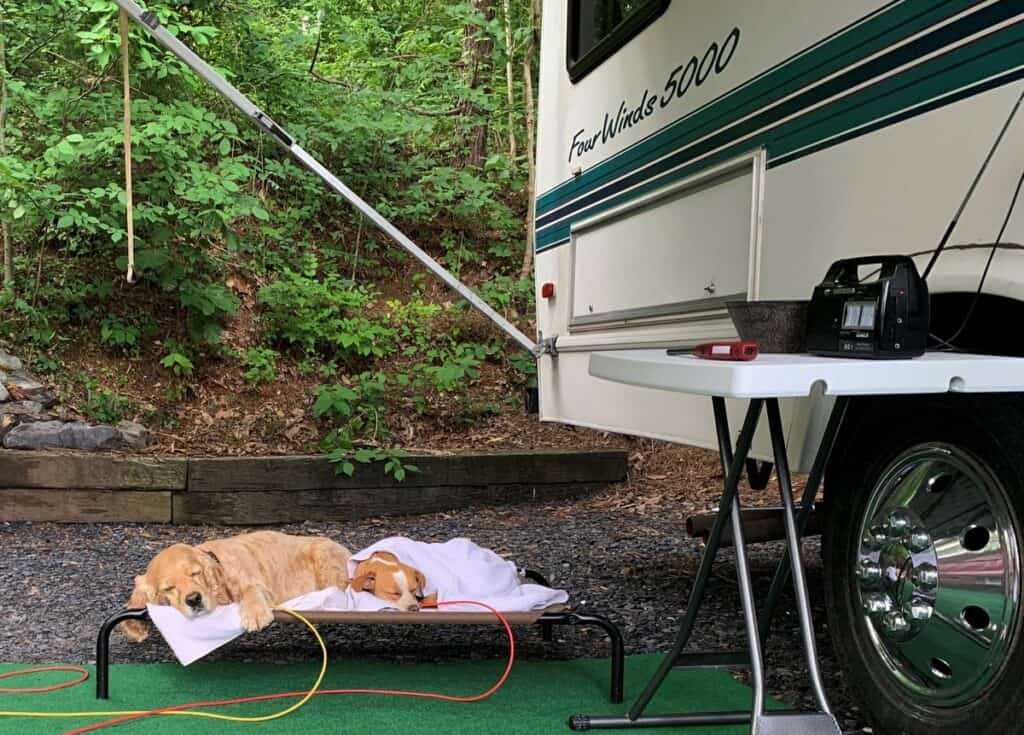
x: 117, y: 332
x: 456, y: 366
x: 355, y: 412
x: 125, y: 333
x: 215, y: 199
x: 414, y: 324
x: 102, y: 404
x: 261, y: 364
x: 524, y: 363
x: 176, y: 360
x: 504, y: 292
x: 326, y: 318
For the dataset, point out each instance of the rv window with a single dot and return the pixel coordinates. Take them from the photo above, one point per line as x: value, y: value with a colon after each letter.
x: 599, y: 28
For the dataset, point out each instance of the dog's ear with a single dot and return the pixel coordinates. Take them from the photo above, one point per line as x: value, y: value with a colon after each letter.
x: 365, y: 582
x: 213, y: 573
x: 421, y: 583
x: 143, y: 593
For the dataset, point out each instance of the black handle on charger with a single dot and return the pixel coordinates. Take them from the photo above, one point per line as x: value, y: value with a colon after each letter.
x: 845, y: 271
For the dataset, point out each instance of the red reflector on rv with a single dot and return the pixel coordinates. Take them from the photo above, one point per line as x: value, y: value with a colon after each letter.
x: 547, y: 290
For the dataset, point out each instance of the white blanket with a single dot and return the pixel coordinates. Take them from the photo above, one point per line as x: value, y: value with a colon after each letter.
x: 455, y: 570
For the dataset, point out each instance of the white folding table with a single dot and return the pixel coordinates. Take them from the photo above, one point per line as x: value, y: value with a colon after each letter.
x: 763, y: 382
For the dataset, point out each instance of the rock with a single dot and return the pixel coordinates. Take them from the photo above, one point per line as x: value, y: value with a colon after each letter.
x: 44, y: 399
x: 134, y: 436
x: 9, y: 361
x: 54, y: 434
x: 4, y: 394
x: 42, y: 435
x: 25, y: 383
x: 79, y: 435
x: 21, y: 408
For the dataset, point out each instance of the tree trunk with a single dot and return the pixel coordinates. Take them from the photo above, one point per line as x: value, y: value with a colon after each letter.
x: 5, y: 226
x: 510, y: 84
x: 477, y: 60
x: 531, y: 154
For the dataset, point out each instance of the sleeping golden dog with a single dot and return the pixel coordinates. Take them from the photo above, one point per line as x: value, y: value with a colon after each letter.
x: 257, y: 570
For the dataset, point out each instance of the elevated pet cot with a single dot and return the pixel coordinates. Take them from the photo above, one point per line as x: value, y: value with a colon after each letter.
x: 546, y: 619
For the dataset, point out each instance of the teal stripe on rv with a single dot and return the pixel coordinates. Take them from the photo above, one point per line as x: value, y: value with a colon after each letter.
x: 940, y: 80
x: 911, y: 92
x: 875, y: 33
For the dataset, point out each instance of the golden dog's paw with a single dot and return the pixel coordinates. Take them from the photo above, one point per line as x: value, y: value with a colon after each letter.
x: 256, y: 617
x: 135, y: 630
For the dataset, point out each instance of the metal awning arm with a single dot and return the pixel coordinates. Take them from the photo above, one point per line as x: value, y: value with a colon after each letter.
x: 151, y: 23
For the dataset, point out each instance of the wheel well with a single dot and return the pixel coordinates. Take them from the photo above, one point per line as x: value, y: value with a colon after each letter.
x: 986, y: 331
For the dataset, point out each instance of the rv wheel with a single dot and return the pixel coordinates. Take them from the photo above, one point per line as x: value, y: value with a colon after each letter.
x: 923, y: 568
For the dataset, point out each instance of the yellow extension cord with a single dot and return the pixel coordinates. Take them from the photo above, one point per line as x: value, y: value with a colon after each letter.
x: 206, y: 715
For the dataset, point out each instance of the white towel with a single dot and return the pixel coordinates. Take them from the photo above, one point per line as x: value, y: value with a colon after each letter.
x: 455, y: 570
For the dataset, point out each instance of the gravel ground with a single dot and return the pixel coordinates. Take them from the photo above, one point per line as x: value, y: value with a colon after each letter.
x: 635, y: 567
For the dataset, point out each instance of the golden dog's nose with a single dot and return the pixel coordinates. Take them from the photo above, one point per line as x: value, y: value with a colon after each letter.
x: 194, y: 600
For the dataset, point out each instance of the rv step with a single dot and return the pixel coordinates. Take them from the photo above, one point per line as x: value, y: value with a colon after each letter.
x: 759, y: 524
x: 802, y: 723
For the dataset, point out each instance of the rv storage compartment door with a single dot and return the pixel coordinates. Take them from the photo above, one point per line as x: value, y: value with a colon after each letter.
x: 675, y: 255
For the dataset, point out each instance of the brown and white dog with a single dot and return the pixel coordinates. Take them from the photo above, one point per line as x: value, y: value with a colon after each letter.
x: 257, y: 570
x: 392, y: 581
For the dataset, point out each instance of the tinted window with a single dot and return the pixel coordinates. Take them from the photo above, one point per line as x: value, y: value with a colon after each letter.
x: 598, y: 28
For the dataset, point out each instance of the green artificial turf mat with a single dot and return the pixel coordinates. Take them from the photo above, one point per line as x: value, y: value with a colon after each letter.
x: 537, y: 698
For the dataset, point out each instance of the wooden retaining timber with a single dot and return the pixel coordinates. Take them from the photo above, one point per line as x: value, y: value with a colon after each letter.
x: 64, y: 487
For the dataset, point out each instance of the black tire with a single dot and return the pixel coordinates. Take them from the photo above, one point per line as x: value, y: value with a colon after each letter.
x: 990, y: 428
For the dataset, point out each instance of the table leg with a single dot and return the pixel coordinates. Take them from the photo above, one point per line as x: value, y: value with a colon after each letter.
x: 803, y: 604
x: 762, y: 722
x: 733, y: 466
x: 781, y: 576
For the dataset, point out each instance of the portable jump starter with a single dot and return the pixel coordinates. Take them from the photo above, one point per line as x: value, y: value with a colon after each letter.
x: 855, y: 314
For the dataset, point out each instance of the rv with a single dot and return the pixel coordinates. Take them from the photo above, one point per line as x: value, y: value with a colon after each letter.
x: 696, y: 153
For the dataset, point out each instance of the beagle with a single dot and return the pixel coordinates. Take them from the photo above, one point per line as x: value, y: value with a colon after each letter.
x: 392, y: 581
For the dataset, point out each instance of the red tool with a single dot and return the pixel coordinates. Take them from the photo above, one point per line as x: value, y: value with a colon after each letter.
x: 734, y: 351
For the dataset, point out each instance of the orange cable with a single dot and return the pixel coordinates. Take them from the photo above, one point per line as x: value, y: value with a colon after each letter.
x: 39, y: 690
x: 285, y: 695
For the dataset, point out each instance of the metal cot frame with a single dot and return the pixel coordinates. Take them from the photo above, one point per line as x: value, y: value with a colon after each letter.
x: 546, y: 619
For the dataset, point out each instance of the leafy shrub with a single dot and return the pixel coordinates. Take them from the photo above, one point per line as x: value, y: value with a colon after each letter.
x: 125, y: 333
x: 504, y: 292
x: 413, y: 322
x: 457, y: 366
x: 356, y: 411
x: 261, y: 363
x: 323, y: 317
x: 176, y: 360
x: 102, y: 404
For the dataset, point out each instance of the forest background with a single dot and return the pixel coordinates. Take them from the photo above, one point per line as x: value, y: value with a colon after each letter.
x: 268, y: 316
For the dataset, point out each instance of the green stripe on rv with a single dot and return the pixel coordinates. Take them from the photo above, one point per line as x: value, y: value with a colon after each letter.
x: 876, y: 33
x: 942, y: 75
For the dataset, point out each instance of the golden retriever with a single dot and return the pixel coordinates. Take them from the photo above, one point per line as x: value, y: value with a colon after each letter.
x: 257, y: 570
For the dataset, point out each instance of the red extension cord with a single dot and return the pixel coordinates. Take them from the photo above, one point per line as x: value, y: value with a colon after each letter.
x: 282, y: 695
x: 39, y: 690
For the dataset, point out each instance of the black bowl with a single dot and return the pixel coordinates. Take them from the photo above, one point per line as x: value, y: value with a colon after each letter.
x: 776, y: 326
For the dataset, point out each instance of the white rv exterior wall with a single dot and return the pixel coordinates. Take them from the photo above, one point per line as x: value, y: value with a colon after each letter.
x: 892, y: 190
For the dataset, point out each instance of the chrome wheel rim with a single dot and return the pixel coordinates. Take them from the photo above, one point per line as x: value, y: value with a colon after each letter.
x: 937, y: 574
